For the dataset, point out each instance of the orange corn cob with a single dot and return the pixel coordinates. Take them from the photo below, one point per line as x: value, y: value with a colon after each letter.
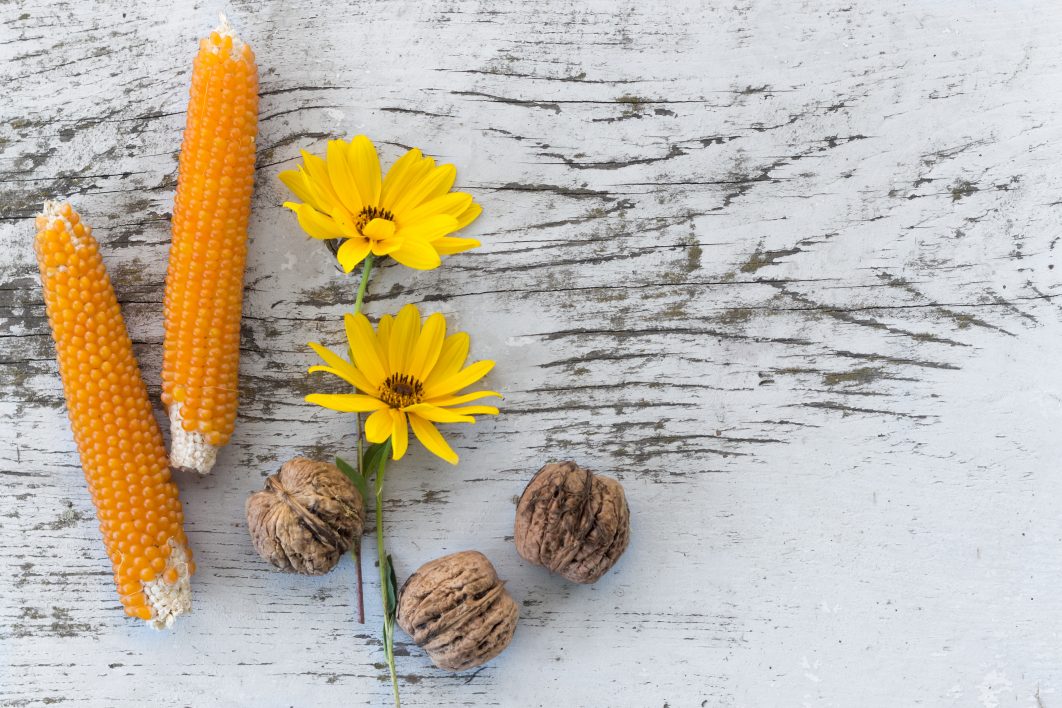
x: 204, y: 284
x: 117, y: 437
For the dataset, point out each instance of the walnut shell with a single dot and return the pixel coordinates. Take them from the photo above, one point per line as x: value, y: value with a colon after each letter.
x: 573, y: 522
x: 306, y: 518
x: 457, y: 610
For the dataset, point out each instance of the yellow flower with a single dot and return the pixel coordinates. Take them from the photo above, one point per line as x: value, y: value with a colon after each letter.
x: 406, y: 373
x: 408, y: 215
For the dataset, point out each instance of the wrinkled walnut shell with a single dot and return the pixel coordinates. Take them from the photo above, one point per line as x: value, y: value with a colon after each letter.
x: 573, y: 522
x: 306, y: 518
x: 457, y: 610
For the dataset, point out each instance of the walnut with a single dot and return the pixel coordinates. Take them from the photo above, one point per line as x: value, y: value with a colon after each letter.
x: 306, y: 518
x: 457, y: 610
x: 572, y: 521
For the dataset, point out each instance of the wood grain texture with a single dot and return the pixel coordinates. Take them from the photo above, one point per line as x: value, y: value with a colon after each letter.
x: 786, y: 269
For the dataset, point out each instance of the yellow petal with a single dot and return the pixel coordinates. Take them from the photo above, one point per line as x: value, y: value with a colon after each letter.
x: 429, y: 344
x: 295, y: 181
x: 475, y: 410
x: 399, y: 434
x: 427, y: 186
x: 403, y: 339
x: 314, y: 222
x: 386, y: 247
x: 346, y: 402
x: 444, y: 181
x: 417, y: 254
x: 383, y: 335
x: 464, y: 398
x: 317, y: 178
x: 342, y: 368
x: 364, y: 165
x: 458, y: 381
x: 379, y: 229
x: 468, y: 215
x: 430, y: 438
x: 429, y: 229
x: 452, y: 203
x: 339, y: 174
x: 450, y: 245
x: 396, y: 176
x: 436, y: 414
x: 352, y: 252
x: 378, y: 426
x: 407, y: 171
x: 365, y: 348
x: 451, y: 359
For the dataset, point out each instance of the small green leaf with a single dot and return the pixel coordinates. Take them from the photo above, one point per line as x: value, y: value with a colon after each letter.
x: 390, y: 589
x: 352, y: 474
x: 374, y: 455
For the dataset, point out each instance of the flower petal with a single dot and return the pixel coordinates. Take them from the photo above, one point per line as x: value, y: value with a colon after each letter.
x: 399, y: 434
x: 445, y: 176
x: 475, y: 410
x: 451, y: 203
x: 449, y: 245
x: 464, y: 398
x: 403, y: 339
x: 364, y: 165
x: 315, y: 223
x: 431, y: 439
x: 342, y: 368
x: 420, y: 189
x: 451, y: 359
x: 365, y: 348
x: 379, y: 229
x: 352, y: 252
x: 430, y: 229
x: 407, y: 167
x: 383, y: 335
x: 317, y: 179
x: 386, y: 247
x: 436, y: 414
x: 417, y: 254
x: 458, y: 381
x: 468, y: 215
x: 429, y: 344
x: 378, y: 426
x: 295, y: 180
x: 346, y: 402
x: 339, y: 174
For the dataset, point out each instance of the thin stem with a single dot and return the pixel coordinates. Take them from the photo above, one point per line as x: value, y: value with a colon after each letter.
x: 355, y: 553
x: 385, y: 570
x: 365, y: 271
x: 356, y: 550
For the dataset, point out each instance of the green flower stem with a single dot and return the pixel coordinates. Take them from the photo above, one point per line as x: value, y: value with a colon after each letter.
x: 387, y: 588
x: 355, y: 551
x: 365, y: 271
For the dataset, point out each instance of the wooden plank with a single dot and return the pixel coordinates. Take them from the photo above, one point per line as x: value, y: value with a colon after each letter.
x: 787, y: 270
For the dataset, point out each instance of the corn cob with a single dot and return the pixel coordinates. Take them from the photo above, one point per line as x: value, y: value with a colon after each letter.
x: 119, y: 442
x: 204, y: 283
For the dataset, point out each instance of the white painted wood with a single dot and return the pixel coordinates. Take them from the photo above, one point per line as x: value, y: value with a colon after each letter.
x: 786, y: 269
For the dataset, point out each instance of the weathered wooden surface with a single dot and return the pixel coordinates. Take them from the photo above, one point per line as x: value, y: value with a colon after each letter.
x: 785, y: 269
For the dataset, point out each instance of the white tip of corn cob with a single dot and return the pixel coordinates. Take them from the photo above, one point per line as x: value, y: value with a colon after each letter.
x: 189, y: 451
x: 167, y: 600
x: 225, y: 30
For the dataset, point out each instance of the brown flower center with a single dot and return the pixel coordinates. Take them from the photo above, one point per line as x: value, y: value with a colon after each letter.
x: 401, y: 390
x: 368, y: 214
